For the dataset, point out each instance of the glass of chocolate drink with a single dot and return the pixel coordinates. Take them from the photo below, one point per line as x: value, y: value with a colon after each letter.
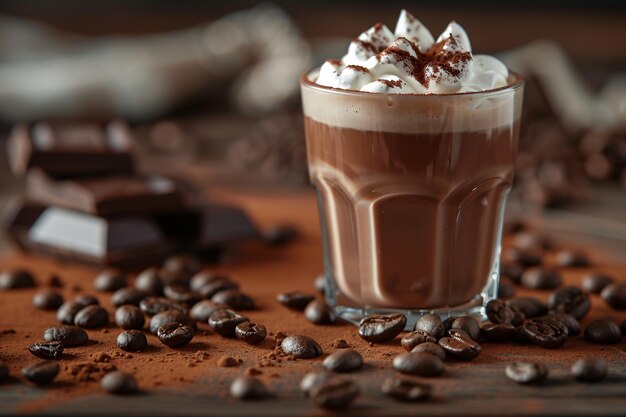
x: 411, y: 145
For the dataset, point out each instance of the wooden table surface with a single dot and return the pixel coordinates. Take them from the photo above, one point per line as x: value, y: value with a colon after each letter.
x: 477, y: 388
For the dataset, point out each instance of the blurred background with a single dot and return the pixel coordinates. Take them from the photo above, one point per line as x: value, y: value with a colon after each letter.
x: 211, y: 88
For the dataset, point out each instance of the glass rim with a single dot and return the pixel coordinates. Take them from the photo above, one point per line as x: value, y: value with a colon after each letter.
x: 513, y: 85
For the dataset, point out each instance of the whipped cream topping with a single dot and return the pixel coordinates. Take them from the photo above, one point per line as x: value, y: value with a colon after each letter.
x: 410, y: 60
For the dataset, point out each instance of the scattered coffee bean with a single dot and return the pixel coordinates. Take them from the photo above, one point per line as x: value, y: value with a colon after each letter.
x: 224, y: 322
x: 405, y: 389
x: 202, y: 310
x: 532, y: 241
x: 130, y: 317
x: 67, y: 312
x: 319, y: 312
x: 497, y: 333
x: 545, y: 332
x: 526, y: 372
x: 41, y: 373
x: 320, y: 284
x: 382, y: 328
x: 150, y: 281
x: 541, y: 279
x: 119, y: 383
x: 570, y: 300
x: 175, y: 335
x: 512, y: 271
x: 431, y: 323
x: 460, y: 345
x: 174, y: 278
x: 110, y: 280
x: 529, y: 306
x: 295, y: 300
x: 334, y: 394
x: 603, y: 331
x: 506, y: 289
x: 204, y: 278
x: 418, y: 363
x: 415, y: 338
x: 248, y: 388
x: 447, y: 324
x: 181, y: 294
x: 573, y: 326
x: 499, y: 312
x: 91, y: 317
x: 301, y: 347
x: 313, y: 379
x: 128, y: 295
x: 155, y: 305
x: 251, y: 333
x: 522, y: 257
x: 47, y: 300
x: 55, y: 282
x: 280, y: 235
x: 15, y: 279
x: 71, y: 336
x: 431, y: 347
x: 235, y: 299
x: 590, y: 369
x: 47, y: 350
x: 4, y: 371
x: 567, y: 258
x: 132, y: 341
x: 469, y: 325
x: 86, y: 300
x: 594, y: 283
x: 170, y: 316
x: 217, y: 285
x: 346, y: 360
x: 183, y: 264
x: 614, y: 295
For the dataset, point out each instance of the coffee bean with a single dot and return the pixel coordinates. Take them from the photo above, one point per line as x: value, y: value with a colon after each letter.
x: 573, y: 326
x: 529, y: 306
x: 150, y: 281
x: 202, y: 310
x: 545, y: 332
x: 224, y: 322
x: 295, y: 300
x: 447, y: 324
x: 522, y: 257
x: 181, y: 294
x: 415, y: 338
x: 381, y: 328
x: 235, y: 299
x: 154, y: 305
x: 174, y: 278
x: 248, y: 388
x: 499, y: 312
x: 334, y: 394
x: 55, y: 282
x: 67, y: 312
x: 460, y: 345
x: 4, y: 371
x: 220, y: 284
x: 512, y: 271
x: 170, y: 316
x: 251, y: 333
x: 590, y: 369
x: 41, y: 373
x: 594, y: 283
x: 301, y: 347
x: 526, y: 372
x: 204, y: 278
x: 47, y: 300
x: 432, y: 348
x: 313, y: 379
x: 129, y: 317
x: 431, y: 323
x: 175, y: 334
x: 319, y: 312
x: 532, y: 241
x: 567, y: 258
x: 128, y: 295
x: 15, y: 279
x: 346, y: 360
x: 469, y: 325
x: 110, y: 280
x: 86, y: 300
x: 570, y: 300
x: 541, y: 279
x: 70, y: 335
x: 132, y: 341
x: 505, y: 288
x: 603, y: 331
x: 119, y: 383
x: 320, y: 284
x: 182, y: 264
x: 497, y: 333
x: 418, y: 363
x: 280, y: 235
x: 47, y: 350
x: 91, y: 317
x: 405, y: 389
x: 614, y: 295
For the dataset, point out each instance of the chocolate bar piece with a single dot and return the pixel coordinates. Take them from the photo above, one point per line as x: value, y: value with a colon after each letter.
x: 69, y: 151
x: 106, y: 196
x: 223, y: 224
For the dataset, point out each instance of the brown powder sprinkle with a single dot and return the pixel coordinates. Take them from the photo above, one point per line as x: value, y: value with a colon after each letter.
x: 358, y: 68
x: 391, y: 83
x: 227, y: 362
x: 340, y: 344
